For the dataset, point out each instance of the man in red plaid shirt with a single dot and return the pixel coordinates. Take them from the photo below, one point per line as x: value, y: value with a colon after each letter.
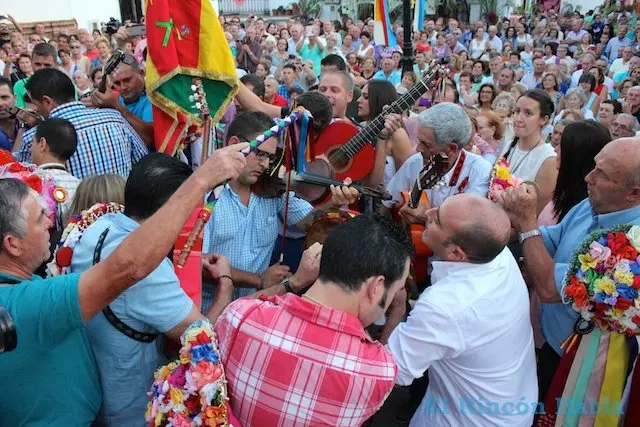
x: 307, y: 361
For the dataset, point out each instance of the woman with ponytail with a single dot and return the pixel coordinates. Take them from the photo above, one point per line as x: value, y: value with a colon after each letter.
x: 530, y: 157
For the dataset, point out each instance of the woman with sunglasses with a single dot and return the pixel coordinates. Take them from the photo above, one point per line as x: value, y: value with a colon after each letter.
x: 80, y: 62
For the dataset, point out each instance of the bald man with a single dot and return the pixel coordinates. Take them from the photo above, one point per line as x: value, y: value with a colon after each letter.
x: 614, y: 198
x: 471, y: 327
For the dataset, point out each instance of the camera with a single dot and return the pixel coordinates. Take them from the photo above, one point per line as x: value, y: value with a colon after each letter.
x: 111, y: 26
x: 8, y: 335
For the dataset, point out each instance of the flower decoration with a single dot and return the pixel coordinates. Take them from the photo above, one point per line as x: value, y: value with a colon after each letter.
x: 603, y: 279
x: 192, y: 390
x: 43, y: 188
x: 501, y: 179
x: 71, y: 235
x: 6, y: 157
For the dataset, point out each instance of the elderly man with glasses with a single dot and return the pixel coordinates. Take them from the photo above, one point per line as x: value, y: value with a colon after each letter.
x: 624, y: 126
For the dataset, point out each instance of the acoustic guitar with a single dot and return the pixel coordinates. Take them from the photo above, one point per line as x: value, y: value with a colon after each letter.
x: 355, y: 157
x: 429, y: 176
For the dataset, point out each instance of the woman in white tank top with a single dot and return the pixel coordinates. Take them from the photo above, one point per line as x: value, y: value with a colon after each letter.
x: 478, y: 45
x: 530, y: 157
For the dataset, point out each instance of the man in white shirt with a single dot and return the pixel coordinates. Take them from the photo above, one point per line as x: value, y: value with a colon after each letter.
x: 494, y: 40
x: 471, y: 328
x: 586, y: 62
x: 443, y: 129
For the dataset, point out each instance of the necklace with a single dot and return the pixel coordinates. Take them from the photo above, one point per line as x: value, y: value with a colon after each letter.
x: 314, y: 300
x: 515, y: 168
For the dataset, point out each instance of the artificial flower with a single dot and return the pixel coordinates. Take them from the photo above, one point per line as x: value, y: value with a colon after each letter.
x: 179, y: 420
x: 206, y: 372
x: 203, y: 338
x: 203, y: 352
x: 623, y: 304
x: 626, y: 292
x: 624, y: 278
x: 502, y: 172
x: 633, y: 236
x: 599, y: 252
x: 177, y: 377
x: 611, y: 261
x: 586, y: 262
x: 628, y: 252
x: 215, y: 415
x: 176, y: 395
x: 616, y: 241
x: 192, y: 404
x: 578, y: 292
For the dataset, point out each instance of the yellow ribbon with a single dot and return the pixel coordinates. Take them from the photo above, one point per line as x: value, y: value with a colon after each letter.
x: 610, y: 402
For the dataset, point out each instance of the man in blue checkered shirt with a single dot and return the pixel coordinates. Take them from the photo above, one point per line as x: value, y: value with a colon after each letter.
x: 244, y: 225
x: 106, y: 142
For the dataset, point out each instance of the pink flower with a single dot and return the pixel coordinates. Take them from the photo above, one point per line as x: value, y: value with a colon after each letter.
x: 206, y: 372
x: 179, y: 420
x: 599, y: 252
x: 177, y: 378
x: 611, y: 261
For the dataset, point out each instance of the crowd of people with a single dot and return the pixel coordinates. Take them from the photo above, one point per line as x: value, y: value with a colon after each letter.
x: 316, y: 336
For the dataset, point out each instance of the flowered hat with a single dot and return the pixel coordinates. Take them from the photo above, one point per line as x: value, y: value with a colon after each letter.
x: 44, y: 189
x: 192, y: 391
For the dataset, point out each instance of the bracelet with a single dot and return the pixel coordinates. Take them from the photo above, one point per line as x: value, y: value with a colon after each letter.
x: 225, y: 276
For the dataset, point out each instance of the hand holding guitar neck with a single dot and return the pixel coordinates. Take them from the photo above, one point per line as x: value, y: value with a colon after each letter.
x: 109, y: 67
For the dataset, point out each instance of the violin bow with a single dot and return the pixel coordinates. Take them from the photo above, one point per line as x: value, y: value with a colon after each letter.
x: 205, y: 211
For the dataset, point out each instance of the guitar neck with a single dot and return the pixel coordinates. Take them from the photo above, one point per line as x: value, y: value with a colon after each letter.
x: 414, y: 195
x: 375, y: 126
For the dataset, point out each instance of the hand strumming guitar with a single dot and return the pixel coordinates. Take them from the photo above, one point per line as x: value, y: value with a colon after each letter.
x: 414, y: 216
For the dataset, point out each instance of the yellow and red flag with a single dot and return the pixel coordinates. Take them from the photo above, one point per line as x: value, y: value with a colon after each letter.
x: 185, y: 40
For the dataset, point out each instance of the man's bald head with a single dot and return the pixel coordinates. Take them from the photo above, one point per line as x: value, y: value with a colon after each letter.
x: 624, y: 154
x: 471, y: 229
x: 614, y: 183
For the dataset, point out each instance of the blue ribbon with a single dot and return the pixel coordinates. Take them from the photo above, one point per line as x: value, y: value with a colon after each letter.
x: 302, y: 146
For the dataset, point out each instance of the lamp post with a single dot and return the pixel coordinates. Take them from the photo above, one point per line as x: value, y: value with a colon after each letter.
x: 407, y: 46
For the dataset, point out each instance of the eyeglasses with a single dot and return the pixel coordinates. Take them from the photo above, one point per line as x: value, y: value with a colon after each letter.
x: 75, y: 47
x: 616, y: 125
x: 263, y: 155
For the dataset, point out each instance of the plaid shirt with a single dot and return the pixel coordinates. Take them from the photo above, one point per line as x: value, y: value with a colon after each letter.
x: 106, y: 142
x: 293, y: 363
x: 246, y: 234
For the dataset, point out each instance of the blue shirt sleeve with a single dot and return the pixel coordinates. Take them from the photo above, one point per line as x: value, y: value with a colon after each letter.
x: 298, y: 208
x: 551, y: 237
x: 24, y: 152
x: 158, y: 300
x: 44, y: 311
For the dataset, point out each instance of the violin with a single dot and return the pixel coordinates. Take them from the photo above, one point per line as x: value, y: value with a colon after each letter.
x: 307, y: 186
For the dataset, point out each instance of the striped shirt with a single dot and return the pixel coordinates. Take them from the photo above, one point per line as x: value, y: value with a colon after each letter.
x: 106, y: 142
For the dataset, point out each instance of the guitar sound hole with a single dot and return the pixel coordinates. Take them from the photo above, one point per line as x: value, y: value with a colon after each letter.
x: 338, y: 159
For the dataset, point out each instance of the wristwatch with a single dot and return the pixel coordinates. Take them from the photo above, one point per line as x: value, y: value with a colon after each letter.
x: 287, y: 285
x: 524, y: 236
